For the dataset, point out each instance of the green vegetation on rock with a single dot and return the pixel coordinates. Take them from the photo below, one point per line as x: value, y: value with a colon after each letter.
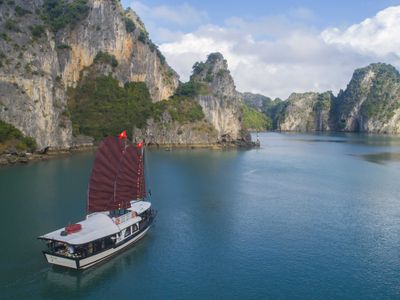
x: 20, y: 12
x: 100, y: 106
x: 5, y: 37
x: 144, y: 38
x: 181, y: 109
x: 104, y: 57
x: 376, y: 87
x: 64, y: 47
x: 11, y: 25
x: 254, y: 120
x: 11, y: 138
x: 129, y: 25
x: 198, y: 67
x: 2, y: 58
x: 60, y: 13
x: 273, y: 110
x: 37, y: 31
x: 381, y: 102
x: 191, y: 89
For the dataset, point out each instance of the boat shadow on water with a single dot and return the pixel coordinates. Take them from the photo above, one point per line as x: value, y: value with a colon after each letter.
x: 72, y: 280
x: 381, y: 158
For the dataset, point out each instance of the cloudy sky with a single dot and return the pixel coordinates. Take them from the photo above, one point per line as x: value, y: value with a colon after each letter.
x: 276, y: 47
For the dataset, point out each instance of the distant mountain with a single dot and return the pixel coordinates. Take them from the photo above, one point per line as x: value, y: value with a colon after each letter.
x: 370, y: 103
x: 256, y: 101
x: 306, y: 112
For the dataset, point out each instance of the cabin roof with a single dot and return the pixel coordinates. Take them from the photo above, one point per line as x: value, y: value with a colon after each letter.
x: 139, y: 206
x: 96, y: 226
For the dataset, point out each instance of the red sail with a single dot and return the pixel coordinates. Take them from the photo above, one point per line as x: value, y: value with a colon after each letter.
x: 116, y: 172
x: 130, y: 180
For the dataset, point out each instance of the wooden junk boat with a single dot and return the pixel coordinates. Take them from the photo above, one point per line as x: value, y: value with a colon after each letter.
x: 117, y: 215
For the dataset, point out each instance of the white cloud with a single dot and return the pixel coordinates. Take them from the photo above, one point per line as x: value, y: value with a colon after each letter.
x: 277, y: 55
x: 296, y: 60
x: 378, y: 35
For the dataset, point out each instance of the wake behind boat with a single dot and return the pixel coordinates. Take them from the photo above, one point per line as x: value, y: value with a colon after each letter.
x: 117, y: 215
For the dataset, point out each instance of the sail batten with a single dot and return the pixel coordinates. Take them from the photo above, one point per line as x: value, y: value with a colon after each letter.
x: 117, y: 176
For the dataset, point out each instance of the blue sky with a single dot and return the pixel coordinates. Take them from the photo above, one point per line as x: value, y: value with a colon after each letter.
x: 327, y: 13
x: 276, y: 47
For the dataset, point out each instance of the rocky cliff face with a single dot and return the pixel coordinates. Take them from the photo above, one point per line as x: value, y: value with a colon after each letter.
x: 40, y: 60
x: 169, y: 132
x: 105, y: 29
x: 256, y: 101
x: 306, y: 112
x: 218, y: 97
x: 211, y: 86
x: 371, y: 101
x: 31, y: 98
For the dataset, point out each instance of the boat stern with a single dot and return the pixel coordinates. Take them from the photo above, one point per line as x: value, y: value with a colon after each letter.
x: 61, y: 260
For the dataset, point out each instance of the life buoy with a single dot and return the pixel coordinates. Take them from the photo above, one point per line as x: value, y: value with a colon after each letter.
x: 117, y: 221
x: 73, y: 228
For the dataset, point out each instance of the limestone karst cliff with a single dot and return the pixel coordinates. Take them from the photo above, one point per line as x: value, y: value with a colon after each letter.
x: 45, y: 45
x: 370, y: 103
x: 218, y: 97
x: 256, y: 101
x: 220, y: 119
x: 306, y: 112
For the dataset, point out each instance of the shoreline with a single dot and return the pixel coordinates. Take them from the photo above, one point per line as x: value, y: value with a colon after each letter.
x: 9, y: 159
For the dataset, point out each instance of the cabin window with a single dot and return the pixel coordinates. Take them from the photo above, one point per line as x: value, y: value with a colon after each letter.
x: 135, y: 227
x: 127, y: 232
x: 71, y: 249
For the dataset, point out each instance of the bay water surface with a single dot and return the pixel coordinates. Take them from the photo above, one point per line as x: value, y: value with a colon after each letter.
x: 303, y: 217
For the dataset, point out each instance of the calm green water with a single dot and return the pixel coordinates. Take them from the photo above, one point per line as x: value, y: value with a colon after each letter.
x: 304, y: 217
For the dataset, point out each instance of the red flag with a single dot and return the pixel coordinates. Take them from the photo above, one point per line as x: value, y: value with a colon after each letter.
x: 122, y: 135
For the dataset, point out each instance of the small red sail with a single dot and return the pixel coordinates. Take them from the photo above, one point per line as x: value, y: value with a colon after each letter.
x: 117, y: 176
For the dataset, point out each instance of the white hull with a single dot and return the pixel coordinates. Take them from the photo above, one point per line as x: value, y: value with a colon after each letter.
x: 87, y: 262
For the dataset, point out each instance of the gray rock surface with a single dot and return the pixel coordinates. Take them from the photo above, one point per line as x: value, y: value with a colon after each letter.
x: 371, y: 101
x: 306, y: 112
x: 35, y: 72
x: 220, y: 101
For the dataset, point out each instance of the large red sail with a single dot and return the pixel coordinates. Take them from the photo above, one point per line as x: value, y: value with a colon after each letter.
x: 130, y: 180
x: 117, y: 176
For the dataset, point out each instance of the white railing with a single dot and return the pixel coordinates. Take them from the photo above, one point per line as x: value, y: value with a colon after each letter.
x: 125, y: 217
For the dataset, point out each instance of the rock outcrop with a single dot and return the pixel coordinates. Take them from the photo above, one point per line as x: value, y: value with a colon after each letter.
x: 40, y: 60
x: 211, y: 86
x: 371, y: 101
x: 168, y: 132
x: 218, y: 97
x: 105, y: 29
x: 256, y: 101
x: 306, y: 112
